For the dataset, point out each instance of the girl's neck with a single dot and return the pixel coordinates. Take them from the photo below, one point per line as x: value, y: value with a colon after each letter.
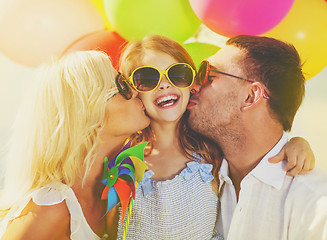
x: 166, y: 136
x: 167, y: 158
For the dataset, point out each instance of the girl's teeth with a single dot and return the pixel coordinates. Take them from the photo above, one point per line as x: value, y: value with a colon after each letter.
x: 168, y: 104
x: 166, y: 98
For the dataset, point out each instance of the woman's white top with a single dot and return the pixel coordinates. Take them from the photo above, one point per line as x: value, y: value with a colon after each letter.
x: 50, y: 195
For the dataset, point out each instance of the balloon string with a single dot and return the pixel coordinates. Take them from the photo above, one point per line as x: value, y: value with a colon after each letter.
x: 128, y: 217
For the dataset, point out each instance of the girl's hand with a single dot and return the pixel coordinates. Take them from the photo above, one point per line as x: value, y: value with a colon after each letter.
x: 299, y: 156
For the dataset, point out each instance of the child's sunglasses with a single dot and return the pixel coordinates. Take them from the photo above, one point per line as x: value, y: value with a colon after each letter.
x: 146, y: 78
x: 123, y: 86
x: 203, y: 74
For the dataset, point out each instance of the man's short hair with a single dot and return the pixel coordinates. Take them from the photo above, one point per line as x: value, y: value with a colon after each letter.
x: 278, y: 66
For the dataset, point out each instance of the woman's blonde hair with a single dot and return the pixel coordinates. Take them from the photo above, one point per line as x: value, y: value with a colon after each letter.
x: 190, y: 141
x: 56, y: 132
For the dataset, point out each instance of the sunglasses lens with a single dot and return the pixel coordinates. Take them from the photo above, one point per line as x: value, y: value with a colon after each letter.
x: 202, y: 73
x: 181, y: 75
x: 123, y: 87
x: 146, y: 79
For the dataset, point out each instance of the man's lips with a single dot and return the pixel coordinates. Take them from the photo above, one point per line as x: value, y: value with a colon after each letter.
x: 191, y: 103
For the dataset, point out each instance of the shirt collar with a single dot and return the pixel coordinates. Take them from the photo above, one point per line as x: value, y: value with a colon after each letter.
x: 271, y: 174
x: 223, y: 174
x: 224, y: 168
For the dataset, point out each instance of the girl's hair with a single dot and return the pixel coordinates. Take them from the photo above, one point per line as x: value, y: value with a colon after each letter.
x: 190, y: 141
x: 56, y: 132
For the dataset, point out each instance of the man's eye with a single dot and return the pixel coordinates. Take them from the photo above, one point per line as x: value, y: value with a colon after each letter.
x: 211, y: 78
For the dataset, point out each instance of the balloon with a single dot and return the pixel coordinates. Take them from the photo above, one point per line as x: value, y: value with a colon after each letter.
x: 231, y: 18
x: 306, y: 28
x: 104, y: 40
x: 200, y: 51
x: 34, y: 30
x: 99, y: 5
x: 133, y: 20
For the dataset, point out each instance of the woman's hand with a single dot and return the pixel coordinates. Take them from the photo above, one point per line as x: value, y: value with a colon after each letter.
x: 299, y: 156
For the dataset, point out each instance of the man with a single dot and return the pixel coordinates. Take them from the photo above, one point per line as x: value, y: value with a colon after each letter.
x: 251, y: 91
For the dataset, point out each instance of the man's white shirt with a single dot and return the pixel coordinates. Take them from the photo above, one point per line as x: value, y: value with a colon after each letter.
x: 273, y: 205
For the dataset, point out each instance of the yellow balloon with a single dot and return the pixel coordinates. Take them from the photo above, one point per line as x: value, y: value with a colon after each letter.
x: 34, y: 30
x: 306, y: 28
x: 99, y: 5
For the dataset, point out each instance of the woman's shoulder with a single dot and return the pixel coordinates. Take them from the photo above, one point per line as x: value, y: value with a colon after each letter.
x: 40, y: 222
x: 42, y: 211
x: 51, y: 194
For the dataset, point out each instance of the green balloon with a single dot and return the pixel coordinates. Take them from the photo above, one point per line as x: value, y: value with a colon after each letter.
x: 200, y: 51
x: 135, y: 19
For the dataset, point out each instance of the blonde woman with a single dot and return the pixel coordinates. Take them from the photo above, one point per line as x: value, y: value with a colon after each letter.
x: 73, y: 118
x: 177, y: 199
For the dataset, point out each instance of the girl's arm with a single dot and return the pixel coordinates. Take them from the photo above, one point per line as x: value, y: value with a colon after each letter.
x: 299, y: 156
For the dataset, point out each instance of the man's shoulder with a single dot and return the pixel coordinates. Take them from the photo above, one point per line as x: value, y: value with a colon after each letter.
x: 306, y: 206
x: 316, y: 176
x: 312, y: 184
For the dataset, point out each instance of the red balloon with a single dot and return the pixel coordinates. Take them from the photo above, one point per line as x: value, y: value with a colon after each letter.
x: 104, y: 40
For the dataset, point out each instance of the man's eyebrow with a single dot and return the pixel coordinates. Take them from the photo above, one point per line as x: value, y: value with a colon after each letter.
x: 214, y: 68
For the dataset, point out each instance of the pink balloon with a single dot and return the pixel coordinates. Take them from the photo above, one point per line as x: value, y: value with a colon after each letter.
x: 231, y: 18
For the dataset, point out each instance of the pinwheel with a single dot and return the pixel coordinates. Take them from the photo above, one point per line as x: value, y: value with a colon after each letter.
x: 121, y: 176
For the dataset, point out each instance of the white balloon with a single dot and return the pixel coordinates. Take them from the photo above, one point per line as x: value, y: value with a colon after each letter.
x: 34, y: 30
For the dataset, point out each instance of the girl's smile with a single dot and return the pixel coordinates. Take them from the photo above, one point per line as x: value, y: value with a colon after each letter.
x: 167, y: 100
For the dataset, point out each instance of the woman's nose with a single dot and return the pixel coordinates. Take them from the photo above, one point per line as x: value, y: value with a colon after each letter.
x: 134, y: 93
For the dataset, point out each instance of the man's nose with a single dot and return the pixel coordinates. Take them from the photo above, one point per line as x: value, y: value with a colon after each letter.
x: 195, y: 88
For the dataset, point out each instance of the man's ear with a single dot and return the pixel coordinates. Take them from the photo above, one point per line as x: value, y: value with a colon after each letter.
x: 254, y: 95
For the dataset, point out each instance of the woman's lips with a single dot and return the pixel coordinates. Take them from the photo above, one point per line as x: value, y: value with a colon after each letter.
x: 141, y: 104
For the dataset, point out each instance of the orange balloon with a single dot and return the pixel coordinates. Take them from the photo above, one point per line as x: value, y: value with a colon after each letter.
x: 33, y: 30
x: 104, y: 40
x: 306, y: 28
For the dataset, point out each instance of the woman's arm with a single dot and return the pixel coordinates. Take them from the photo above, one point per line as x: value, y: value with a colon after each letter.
x: 40, y: 222
x: 299, y: 156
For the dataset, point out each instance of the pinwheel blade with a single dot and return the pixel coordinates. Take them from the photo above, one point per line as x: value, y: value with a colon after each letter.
x: 140, y: 168
x: 105, y: 193
x: 136, y: 151
x: 124, y: 193
x: 105, y: 168
x: 129, y: 166
x: 113, y: 199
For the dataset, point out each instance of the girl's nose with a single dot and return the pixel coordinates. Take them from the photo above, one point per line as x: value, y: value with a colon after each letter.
x: 164, y: 83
